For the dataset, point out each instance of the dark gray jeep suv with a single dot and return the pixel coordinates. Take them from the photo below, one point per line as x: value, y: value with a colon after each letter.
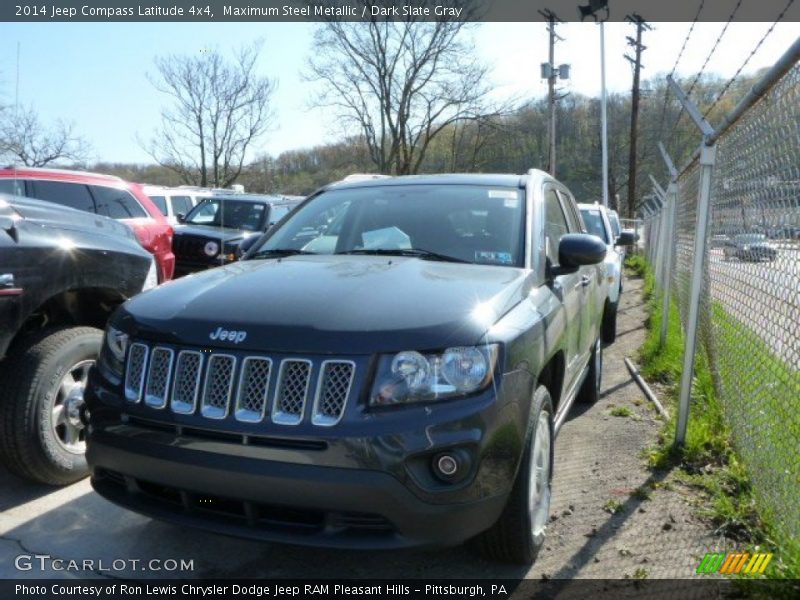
x: 388, y: 367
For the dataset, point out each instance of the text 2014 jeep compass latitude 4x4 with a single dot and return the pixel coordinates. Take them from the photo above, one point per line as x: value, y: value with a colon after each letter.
x: 398, y: 385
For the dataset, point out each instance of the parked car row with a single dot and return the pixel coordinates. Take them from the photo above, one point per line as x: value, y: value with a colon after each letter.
x: 392, y: 371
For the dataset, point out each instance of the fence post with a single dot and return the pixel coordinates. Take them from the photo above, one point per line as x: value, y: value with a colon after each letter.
x: 669, y: 247
x: 708, y: 154
x: 672, y: 210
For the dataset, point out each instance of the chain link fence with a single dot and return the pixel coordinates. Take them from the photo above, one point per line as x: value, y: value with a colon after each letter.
x: 749, y: 308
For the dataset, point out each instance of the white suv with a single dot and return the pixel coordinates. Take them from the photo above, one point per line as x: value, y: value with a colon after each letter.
x: 175, y: 201
x: 596, y: 218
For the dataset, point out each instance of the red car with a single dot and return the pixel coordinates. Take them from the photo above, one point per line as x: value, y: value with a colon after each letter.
x: 101, y: 194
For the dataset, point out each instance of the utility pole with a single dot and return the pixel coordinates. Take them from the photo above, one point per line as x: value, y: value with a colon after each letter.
x: 551, y: 73
x: 641, y: 25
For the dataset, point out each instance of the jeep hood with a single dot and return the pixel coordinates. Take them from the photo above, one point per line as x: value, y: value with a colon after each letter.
x: 329, y: 304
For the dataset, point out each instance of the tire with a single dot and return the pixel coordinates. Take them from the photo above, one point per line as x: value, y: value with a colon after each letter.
x: 43, y: 377
x: 519, y: 533
x: 590, y: 389
x: 609, y: 324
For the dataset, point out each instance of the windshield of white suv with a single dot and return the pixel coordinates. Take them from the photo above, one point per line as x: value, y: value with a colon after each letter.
x: 593, y: 220
x: 229, y: 213
x: 615, y: 226
x: 457, y: 223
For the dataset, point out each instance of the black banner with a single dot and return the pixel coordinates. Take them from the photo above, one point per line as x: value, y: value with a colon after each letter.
x: 407, y: 589
x: 361, y: 10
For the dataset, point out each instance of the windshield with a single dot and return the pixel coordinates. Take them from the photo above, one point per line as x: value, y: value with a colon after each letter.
x: 750, y: 238
x: 229, y: 213
x: 469, y: 223
x: 593, y: 220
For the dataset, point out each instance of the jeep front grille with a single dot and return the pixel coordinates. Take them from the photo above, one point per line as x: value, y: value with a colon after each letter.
x: 244, y: 388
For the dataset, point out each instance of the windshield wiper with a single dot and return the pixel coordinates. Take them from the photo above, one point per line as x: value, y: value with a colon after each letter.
x: 280, y: 252
x: 415, y: 252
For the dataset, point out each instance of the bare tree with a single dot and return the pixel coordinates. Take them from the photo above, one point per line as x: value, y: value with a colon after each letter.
x: 24, y: 139
x: 219, y: 108
x: 399, y: 83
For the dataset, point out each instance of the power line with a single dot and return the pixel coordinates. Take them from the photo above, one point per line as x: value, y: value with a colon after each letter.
x: 727, y: 86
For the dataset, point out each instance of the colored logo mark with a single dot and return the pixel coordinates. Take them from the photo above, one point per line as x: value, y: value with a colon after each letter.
x: 734, y: 562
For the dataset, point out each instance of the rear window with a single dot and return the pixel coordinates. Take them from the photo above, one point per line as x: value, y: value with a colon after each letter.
x: 74, y: 195
x: 161, y: 204
x: 12, y: 186
x: 116, y: 203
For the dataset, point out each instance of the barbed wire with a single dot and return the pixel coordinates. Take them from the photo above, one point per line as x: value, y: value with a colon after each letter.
x: 675, y: 66
x: 730, y: 82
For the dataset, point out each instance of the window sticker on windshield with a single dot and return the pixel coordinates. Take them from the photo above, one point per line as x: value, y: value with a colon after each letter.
x: 389, y: 238
x: 500, y: 258
x: 511, y: 202
x: 503, y: 194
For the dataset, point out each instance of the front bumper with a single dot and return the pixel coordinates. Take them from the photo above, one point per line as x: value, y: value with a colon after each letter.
x: 273, y: 501
x: 365, y: 483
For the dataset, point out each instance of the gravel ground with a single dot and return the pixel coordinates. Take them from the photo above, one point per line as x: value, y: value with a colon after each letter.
x: 601, y: 526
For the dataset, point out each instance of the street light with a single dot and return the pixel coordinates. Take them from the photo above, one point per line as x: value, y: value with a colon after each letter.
x: 591, y: 10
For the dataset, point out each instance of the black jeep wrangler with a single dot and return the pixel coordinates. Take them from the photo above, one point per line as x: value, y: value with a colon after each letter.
x: 396, y: 381
x: 62, y: 273
x: 214, y: 231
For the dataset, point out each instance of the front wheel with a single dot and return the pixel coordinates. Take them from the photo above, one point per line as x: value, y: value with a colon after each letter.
x: 518, y: 535
x: 42, y: 437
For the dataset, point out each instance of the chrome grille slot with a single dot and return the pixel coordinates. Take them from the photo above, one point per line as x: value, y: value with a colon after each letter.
x: 218, y: 384
x: 333, y: 388
x: 134, y: 374
x: 251, y: 397
x: 187, y: 381
x: 294, y: 376
x: 158, y: 376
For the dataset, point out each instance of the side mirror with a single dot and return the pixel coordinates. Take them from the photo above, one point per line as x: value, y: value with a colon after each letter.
x: 578, y: 249
x: 246, y: 244
x: 181, y: 218
x: 9, y: 226
x: 626, y: 238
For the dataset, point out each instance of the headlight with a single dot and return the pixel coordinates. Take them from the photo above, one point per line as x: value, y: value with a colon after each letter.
x: 112, y: 355
x: 211, y: 249
x: 151, y: 280
x: 410, y: 376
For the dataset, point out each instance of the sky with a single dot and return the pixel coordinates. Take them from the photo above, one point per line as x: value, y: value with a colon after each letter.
x: 95, y: 75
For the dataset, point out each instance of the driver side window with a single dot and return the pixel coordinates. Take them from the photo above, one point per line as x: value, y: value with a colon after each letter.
x: 555, y: 225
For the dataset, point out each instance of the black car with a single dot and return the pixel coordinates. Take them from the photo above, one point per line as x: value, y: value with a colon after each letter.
x: 749, y: 247
x: 211, y: 233
x: 62, y: 273
x: 396, y: 381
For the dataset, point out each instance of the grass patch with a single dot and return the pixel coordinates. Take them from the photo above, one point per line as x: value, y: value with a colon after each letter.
x: 621, y: 411
x: 708, y: 459
x: 612, y: 506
